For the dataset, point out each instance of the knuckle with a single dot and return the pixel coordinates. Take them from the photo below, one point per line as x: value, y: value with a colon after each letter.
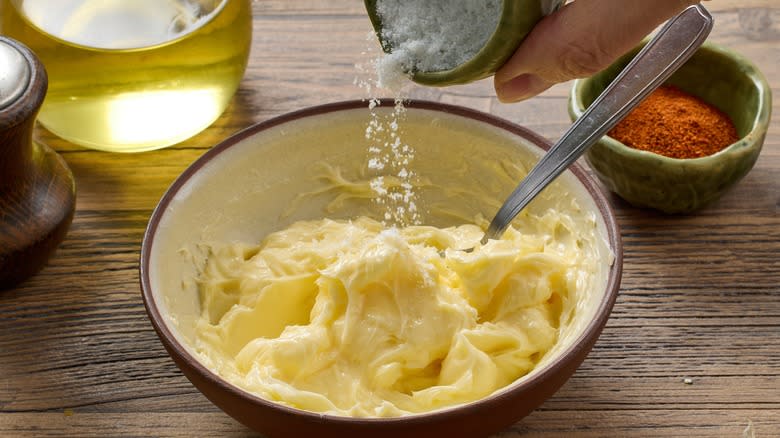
x: 581, y: 60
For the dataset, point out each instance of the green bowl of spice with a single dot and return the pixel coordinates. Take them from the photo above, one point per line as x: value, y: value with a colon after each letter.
x: 448, y: 42
x: 691, y: 140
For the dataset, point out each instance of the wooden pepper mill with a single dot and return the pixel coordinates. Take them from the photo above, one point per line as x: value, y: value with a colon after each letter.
x: 37, y: 191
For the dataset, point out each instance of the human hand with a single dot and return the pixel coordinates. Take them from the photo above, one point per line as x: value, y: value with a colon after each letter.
x: 580, y: 39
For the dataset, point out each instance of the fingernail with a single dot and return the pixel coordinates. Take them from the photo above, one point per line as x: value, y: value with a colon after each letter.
x: 520, y: 88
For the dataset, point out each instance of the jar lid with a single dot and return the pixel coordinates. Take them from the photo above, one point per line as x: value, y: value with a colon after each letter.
x: 14, y: 74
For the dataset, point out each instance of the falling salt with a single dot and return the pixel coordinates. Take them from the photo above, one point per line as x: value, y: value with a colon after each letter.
x: 424, y: 35
x: 392, y: 71
x: 390, y: 158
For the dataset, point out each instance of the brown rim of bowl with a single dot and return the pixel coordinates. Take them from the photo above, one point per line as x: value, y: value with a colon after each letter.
x: 170, y: 342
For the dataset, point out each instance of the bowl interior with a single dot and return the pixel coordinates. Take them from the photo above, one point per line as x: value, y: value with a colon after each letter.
x: 713, y: 74
x: 282, y: 171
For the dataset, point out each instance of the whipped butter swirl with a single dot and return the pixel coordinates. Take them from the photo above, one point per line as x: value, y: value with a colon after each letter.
x: 352, y: 318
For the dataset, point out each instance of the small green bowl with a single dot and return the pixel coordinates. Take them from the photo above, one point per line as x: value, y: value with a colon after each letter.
x: 518, y: 17
x: 721, y: 78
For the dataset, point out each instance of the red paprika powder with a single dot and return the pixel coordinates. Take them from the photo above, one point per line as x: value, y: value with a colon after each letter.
x: 675, y: 124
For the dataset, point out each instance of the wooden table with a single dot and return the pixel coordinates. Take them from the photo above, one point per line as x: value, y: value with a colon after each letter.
x: 700, y: 298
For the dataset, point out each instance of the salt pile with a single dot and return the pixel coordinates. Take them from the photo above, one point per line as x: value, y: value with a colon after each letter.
x: 432, y: 35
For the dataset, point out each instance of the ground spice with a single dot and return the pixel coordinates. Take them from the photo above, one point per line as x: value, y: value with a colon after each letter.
x: 675, y: 124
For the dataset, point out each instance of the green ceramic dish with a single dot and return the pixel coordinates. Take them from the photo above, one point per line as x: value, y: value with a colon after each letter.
x: 716, y: 75
x: 518, y: 17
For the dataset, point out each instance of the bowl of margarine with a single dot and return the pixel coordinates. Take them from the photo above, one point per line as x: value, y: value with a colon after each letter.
x: 310, y: 276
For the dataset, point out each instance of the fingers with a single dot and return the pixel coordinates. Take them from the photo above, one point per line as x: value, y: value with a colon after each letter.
x: 578, y: 40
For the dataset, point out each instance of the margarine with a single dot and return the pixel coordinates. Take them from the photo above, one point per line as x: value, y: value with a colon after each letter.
x: 351, y: 318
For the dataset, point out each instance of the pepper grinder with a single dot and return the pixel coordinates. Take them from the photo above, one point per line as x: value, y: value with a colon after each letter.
x: 37, y: 190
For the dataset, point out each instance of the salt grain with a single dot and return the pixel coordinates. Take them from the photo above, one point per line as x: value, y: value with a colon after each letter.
x: 375, y: 163
x: 749, y: 431
x: 378, y: 185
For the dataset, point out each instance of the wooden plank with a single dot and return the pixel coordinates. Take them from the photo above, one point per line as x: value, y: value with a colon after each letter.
x: 543, y: 423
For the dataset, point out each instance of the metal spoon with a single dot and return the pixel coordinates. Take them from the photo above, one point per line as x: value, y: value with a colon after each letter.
x: 674, y: 44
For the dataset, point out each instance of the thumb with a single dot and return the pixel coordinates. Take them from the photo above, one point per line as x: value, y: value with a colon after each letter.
x: 579, y: 40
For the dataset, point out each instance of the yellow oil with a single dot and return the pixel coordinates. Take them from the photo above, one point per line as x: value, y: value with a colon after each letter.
x: 133, y: 75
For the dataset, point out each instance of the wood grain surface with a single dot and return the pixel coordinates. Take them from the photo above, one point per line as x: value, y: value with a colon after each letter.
x: 700, y: 297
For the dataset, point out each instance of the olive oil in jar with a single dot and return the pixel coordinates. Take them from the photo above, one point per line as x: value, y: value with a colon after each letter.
x: 133, y: 75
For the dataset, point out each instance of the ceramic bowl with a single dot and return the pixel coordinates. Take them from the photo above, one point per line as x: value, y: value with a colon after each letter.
x: 721, y: 78
x: 518, y: 17
x: 251, y: 184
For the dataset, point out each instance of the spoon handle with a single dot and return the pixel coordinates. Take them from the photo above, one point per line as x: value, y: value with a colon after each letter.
x: 674, y: 44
